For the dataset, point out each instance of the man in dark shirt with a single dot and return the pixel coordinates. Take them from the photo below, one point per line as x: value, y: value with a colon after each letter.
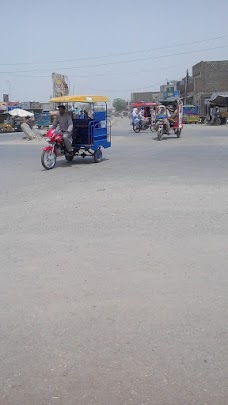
x: 65, y: 123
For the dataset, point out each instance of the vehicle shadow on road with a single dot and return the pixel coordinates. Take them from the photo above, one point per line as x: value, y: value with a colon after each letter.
x: 165, y: 138
x: 64, y: 164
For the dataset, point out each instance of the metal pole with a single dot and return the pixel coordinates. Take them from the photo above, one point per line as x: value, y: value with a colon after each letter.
x: 186, y: 88
x: 9, y: 90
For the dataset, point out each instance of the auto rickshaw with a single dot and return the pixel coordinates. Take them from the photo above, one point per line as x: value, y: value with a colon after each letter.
x: 149, y: 109
x: 91, y: 132
x: 169, y: 116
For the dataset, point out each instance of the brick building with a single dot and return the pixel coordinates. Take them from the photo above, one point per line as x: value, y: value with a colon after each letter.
x: 147, y: 97
x: 208, y: 77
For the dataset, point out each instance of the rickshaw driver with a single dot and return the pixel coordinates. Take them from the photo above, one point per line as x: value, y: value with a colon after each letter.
x: 171, y: 115
x: 65, y: 123
x: 162, y: 110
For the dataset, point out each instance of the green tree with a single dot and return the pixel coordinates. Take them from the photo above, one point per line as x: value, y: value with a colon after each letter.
x: 119, y: 104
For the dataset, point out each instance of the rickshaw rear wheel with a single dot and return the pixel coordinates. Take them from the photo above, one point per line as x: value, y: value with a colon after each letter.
x: 69, y: 157
x: 97, y: 156
x: 178, y: 133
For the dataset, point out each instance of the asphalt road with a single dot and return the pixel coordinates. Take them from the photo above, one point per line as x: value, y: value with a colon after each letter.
x: 114, y: 276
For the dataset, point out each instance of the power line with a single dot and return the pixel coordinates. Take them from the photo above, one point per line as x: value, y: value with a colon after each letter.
x: 123, y: 62
x: 114, y: 54
x: 101, y: 74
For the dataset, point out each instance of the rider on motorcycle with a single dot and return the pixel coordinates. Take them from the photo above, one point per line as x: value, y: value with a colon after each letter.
x: 142, y: 118
x: 65, y: 123
x: 172, y: 113
x: 135, y: 117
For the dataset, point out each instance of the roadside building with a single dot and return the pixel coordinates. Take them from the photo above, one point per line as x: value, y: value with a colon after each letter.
x: 169, y: 89
x: 208, y: 77
x: 146, y: 97
x: 186, y: 87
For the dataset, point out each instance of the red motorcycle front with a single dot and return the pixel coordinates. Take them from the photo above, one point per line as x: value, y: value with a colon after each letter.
x: 55, y: 148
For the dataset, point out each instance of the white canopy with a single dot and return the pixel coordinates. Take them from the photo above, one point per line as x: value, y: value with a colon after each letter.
x: 18, y: 112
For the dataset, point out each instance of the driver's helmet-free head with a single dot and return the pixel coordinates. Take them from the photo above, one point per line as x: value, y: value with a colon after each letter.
x: 161, y: 109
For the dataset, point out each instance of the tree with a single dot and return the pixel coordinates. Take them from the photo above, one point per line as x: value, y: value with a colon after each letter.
x: 119, y: 104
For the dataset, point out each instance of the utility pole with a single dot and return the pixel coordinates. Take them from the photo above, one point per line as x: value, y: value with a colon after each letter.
x: 186, y: 88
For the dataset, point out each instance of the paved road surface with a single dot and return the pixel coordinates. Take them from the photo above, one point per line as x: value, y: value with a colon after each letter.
x: 113, y: 280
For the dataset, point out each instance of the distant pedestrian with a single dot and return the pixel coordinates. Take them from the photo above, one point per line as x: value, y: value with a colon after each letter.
x: 214, y: 115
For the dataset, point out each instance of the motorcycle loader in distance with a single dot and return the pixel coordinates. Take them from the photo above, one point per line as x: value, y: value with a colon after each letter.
x: 169, y: 116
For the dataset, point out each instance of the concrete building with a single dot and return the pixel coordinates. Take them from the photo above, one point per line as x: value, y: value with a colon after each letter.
x: 168, y: 89
x: 147, y: 97
x: 208, y: 77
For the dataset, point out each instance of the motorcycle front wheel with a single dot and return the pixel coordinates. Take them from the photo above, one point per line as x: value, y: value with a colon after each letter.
x: 160, y: 133
x: 178, y: 133
x: 136, y: 128
x: 48, y: 159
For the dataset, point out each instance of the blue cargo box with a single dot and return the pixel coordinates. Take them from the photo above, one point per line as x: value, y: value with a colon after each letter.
x: 42, y: 119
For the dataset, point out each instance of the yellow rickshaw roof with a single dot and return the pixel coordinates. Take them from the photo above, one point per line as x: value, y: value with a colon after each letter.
x: 80, y: 99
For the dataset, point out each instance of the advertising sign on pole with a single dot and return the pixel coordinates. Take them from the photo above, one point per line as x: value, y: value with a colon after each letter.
x: 60, y: 85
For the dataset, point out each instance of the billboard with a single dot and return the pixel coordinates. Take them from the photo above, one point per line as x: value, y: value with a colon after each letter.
x: 60, y: 85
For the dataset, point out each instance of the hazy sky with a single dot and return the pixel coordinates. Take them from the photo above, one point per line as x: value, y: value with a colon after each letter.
x: 158, y: 40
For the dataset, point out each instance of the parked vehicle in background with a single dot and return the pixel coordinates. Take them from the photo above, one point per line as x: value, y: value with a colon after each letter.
x: 6, y: 124
x: 43, y: 119
x: 190, y: 114
x: 217, y: 108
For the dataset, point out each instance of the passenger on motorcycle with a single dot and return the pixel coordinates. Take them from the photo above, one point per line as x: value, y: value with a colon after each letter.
x: 135, y: 117
x: 144, y: 121
x: 65, y: 123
